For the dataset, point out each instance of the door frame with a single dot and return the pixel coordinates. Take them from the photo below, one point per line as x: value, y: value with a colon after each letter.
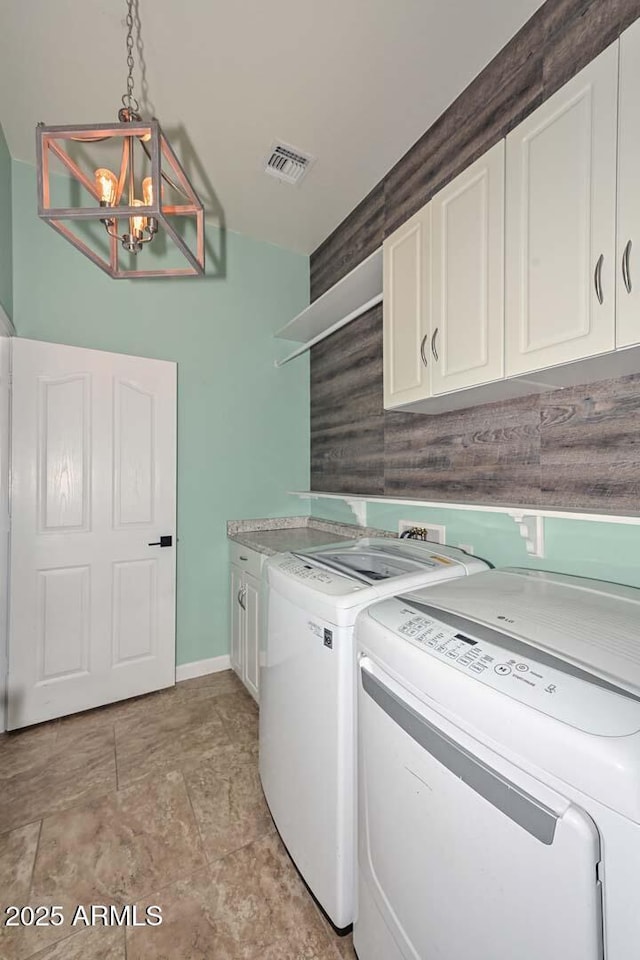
x: 7, y: 331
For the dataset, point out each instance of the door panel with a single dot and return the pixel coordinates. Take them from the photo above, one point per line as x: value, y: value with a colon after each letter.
x: 628, y: 254
x: 94, y: 472
x: 63, y: 622
x: 561, y: 201
x: 467, y: 277
x: 405, y: 311
x: 237, y: 621
x: 133, y: 462
x: 63, y: 432
x: 135, y: 604
x: 251, y: 650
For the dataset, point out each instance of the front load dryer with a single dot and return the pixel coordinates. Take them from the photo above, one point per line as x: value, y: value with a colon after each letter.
x: 499, y: 771
x: 307, y: 694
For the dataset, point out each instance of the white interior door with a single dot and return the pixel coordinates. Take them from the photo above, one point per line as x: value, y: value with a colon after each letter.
x: 93, y: 490
x: 5, y: 350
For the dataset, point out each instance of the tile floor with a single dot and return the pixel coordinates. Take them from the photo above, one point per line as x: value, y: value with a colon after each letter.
x: 152, y: 801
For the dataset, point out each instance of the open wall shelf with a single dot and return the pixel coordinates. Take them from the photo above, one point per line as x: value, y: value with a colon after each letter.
x: 357, y: 292
x: 529, y: 520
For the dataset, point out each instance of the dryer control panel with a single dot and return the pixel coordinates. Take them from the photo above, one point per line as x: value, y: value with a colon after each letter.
x: 582, y: 702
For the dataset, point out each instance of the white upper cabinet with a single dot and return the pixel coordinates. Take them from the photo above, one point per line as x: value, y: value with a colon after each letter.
x: 467, y: 277
x: 561, y: 224
x: 405, y: 312
x: 523, y: 273
x: 628, y: 259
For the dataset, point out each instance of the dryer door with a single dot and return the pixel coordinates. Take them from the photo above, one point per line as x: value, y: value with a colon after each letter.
x: 461, y: 853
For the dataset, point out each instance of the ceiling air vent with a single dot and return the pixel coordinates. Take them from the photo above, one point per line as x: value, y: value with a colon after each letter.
x: 287, y: 163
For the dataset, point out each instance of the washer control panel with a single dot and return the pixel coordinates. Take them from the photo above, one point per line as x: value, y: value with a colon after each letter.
x: 314, y: 577
x: 583, y: 703
x: 304, y: 571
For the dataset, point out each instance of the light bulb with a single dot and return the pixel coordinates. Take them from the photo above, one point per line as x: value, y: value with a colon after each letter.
x: 106, y: 186
x: 147, y: 190
x: 147, y: 193
x: 137, y: 224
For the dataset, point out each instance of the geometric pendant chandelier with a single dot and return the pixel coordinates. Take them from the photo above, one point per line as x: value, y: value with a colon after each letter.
x: 115, y: 217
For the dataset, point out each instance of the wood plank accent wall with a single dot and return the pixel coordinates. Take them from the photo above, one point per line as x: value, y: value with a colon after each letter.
x: 578, y: 447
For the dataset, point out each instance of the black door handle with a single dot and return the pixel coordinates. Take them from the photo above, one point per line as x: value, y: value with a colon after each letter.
x: 163, y: 542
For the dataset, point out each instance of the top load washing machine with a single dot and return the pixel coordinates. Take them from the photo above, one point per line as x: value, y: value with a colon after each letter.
x: 307, y: 694
x: 499, y: 771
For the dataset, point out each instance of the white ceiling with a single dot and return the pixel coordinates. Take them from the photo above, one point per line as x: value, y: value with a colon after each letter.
x: 354, y: 82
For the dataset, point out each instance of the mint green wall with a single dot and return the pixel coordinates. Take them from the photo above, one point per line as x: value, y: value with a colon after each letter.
x: 605, y: 551
x: 243, y: 425
x: 6, y: 273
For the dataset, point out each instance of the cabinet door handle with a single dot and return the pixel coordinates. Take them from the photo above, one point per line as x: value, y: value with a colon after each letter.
x: 422, y: 346
x: 626, y: 275
x: 244, y: 558
x: 241, y: 597
x: 433, y: 345
x: 597, y: 278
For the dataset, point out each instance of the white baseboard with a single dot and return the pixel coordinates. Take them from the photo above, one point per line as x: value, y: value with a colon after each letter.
x: 200, y: 668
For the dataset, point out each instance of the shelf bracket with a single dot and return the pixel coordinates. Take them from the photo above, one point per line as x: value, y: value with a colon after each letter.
x: 531, y: 529
x: 357, y: 505
x: 359, y: 510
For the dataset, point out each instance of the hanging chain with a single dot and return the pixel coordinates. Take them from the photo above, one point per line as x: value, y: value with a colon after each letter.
x: 128, y: 99
x: 131, y: 106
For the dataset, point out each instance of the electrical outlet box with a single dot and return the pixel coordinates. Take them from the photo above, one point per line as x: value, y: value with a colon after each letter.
x: 431, y: 532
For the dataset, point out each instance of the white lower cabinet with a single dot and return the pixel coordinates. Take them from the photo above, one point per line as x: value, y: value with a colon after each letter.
x: 251, y: 611
x: 245, y: 582
x: 237, y: 620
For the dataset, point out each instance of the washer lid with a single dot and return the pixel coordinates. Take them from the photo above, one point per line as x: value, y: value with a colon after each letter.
x: 371, y: 560
x: 589, y: 623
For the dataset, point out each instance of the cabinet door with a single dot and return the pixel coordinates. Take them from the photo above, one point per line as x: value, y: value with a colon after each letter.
x: 467, y: 277
x: 252, y: 634
x: 237, y: 620
x: 560, y: 233
x: 405, y: 311
x: 628, y: 265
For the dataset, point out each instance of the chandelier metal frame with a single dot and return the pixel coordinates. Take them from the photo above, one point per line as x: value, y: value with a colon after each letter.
x: 143, y: 219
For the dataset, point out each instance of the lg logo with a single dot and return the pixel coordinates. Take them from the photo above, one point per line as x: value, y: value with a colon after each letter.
x: 506, y: 619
